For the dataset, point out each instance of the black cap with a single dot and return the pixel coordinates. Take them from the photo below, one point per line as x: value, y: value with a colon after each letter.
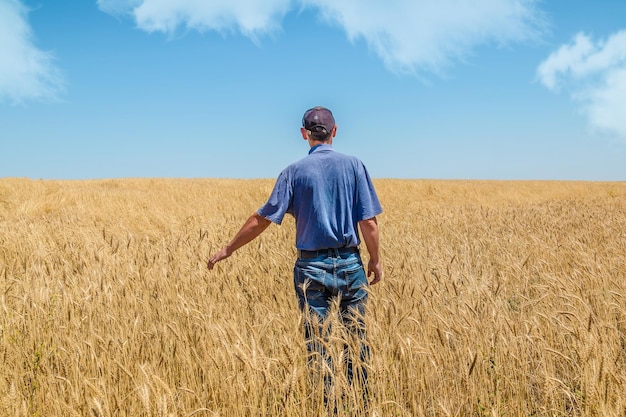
x: 319, y: 121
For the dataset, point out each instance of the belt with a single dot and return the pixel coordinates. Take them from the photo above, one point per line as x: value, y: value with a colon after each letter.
x: 331, y: 252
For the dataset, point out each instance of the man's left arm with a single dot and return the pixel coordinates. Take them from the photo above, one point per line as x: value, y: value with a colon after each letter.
x: 371, y: 236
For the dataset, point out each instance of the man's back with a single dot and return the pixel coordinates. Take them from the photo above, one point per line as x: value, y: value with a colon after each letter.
x: 328, y: 193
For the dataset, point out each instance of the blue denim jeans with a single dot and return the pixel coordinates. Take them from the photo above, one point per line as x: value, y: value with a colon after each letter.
x: 320, y: 283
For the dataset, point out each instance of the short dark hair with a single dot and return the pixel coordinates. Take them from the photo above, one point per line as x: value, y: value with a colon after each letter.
x: 319, y: 137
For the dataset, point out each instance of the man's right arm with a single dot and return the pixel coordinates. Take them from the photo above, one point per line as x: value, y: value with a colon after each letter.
x: 254, y: 226
x: 371, y: 236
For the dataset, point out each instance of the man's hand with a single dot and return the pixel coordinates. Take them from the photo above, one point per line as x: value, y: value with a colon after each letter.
x: 254, y: 226
x: 369, y: 231
x: 222, y: 254
x: 375, y: 268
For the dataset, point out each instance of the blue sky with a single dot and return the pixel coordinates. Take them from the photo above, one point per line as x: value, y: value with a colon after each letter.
x: 448, y: 89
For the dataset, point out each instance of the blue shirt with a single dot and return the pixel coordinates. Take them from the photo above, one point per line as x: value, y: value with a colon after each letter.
x: 328, y: 193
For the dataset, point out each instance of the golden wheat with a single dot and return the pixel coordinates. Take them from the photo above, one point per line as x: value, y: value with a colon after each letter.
x: 500, y: 298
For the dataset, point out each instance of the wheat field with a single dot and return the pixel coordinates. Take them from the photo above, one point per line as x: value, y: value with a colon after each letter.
x: 500, y: 298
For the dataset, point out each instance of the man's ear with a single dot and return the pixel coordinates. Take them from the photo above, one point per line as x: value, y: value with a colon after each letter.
x: 334, y: 131
x: 305, y: 134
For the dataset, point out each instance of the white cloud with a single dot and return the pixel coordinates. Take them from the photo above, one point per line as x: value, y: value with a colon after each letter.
x: 408, y: 35
x: 606, y: 105
x: 118, y: 7
x: 594, y: 73
x: 26, y: 73
x: 413, y: 35
x: 565, y: 60
x: 250, y: 17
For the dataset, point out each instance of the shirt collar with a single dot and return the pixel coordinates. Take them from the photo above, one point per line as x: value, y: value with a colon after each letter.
x: 322, y: 147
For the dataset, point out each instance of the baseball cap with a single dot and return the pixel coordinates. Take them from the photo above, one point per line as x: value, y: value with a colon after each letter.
x: 319, y: 121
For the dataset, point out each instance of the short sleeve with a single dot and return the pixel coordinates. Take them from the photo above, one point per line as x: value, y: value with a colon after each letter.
x: 280, y: 200
x: 367, y: 203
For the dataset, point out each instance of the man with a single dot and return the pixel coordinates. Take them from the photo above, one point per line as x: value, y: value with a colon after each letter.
x: 330, y: 195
